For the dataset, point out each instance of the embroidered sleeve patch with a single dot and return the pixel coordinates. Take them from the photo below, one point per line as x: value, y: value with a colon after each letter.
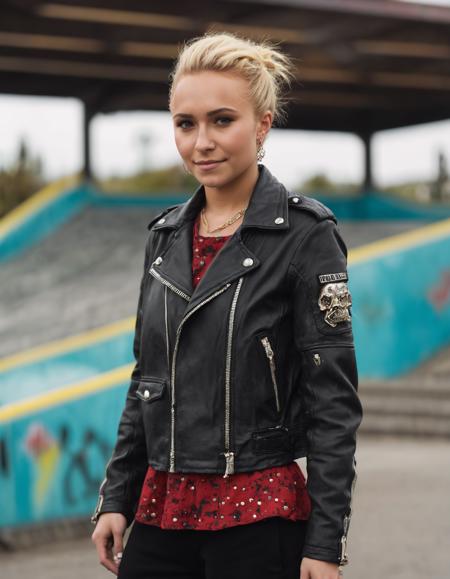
x: 335, y: 300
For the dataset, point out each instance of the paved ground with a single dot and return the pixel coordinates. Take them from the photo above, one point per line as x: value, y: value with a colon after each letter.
x: 400, y: 528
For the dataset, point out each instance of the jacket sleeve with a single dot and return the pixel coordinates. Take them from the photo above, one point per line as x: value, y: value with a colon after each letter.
x: 125, y: 471
x: 329, y: 383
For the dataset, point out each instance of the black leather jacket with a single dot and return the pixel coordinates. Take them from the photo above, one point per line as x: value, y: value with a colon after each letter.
x: 252, y: 369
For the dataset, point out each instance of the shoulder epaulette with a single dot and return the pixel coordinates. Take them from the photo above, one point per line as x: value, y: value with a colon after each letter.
x: 305, y: 203
x: 161, y: 214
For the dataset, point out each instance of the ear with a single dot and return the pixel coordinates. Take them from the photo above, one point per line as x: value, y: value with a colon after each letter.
x: 263, y: 125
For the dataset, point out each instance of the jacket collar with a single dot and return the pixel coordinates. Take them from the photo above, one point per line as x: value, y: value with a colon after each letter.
x: 267, y: 209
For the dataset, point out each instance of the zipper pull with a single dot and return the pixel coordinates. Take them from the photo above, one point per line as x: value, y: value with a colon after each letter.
x: 229, y: 458
x: 94, y: 517
x: 267, y: 347
x: 343, y: 555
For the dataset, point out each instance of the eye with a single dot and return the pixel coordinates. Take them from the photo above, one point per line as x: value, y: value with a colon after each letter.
x: 183, y: 122
x: 224, y: 120
x: 326, y: 300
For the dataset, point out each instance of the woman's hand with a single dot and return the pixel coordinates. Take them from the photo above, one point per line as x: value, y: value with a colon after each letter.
x: 315, y: 569
x: 108, y: 539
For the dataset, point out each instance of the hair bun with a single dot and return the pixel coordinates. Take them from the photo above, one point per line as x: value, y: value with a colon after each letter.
x: 266, y: 68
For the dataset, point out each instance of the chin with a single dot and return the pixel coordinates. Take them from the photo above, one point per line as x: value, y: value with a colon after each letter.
x: 213, y: 180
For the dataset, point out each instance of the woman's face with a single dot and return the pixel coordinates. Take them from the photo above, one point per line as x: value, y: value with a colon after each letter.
x: 214, y: 120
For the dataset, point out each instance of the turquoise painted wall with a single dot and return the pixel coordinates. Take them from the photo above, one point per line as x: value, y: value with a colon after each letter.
x: 40, y: 223
x: 375, y: 205
x: 401, y: 308
x: 53, y: 461
x: 70, y: 367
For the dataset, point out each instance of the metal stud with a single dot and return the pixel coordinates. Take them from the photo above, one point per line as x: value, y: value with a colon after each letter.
x: 248, y: 261
x: 162, y: 220
x: 158, y: 260
x: 295, y: 199
x: 279, y: 220
x: 146, y: 394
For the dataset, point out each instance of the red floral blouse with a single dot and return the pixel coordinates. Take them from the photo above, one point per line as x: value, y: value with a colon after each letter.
x: 208, y: 501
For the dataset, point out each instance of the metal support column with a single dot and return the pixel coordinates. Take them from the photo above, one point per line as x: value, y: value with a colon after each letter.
x: 368, y: 183
x: 87, y: 117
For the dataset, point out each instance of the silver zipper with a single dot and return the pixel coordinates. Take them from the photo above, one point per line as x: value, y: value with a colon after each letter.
x: 167, y: 328
x: 344, y: 556
x: 269, y: 353
x: 94, y: 517
x: 229, y: 455
x: 174, y: 288
x: 172, y: 433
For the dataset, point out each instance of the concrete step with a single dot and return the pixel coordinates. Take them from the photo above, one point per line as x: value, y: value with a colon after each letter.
x: 408, y: 407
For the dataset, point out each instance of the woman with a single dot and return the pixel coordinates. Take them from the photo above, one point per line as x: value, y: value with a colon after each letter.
x: 244, y: 354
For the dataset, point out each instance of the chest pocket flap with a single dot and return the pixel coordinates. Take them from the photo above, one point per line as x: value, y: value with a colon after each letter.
x: 151, y: 389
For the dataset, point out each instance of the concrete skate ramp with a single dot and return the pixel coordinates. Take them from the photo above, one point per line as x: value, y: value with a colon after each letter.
x: 87, y: 274
x: 64, y: 405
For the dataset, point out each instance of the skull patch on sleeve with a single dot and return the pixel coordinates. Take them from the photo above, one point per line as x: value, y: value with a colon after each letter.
x: 335, y: 300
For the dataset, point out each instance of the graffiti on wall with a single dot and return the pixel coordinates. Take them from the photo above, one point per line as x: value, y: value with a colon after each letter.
x: 61, y: 458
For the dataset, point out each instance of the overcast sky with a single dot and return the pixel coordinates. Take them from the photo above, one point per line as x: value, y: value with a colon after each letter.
x: 52, y: 128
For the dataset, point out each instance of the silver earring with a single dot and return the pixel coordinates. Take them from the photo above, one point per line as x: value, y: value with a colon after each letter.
x: 260, y: 152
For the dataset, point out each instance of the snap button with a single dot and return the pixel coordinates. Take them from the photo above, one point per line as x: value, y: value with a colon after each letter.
x: 158, y: 260
x: 162, y: 220
x: 248, y: 261
x: 146, y: 394
x: 295, y: 199
x: 279, y: 220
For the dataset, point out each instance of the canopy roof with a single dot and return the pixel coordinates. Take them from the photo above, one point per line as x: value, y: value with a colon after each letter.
x: 364, y: 65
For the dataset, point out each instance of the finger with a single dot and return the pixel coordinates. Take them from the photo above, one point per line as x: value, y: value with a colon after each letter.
x: 304, y: 573
x: 118, y: 548
x: 105, y: 556
x: 118, y: 543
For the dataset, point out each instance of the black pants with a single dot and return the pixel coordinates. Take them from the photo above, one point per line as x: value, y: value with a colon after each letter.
x: 266, y: 549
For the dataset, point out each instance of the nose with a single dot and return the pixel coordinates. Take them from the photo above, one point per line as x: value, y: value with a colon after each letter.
x: 335, y: 301
x: 203, y: 141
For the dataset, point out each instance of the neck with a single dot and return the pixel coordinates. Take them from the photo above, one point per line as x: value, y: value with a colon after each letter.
x: 233, y: 196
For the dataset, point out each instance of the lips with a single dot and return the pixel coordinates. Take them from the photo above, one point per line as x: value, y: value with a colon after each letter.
x: 213, y: 162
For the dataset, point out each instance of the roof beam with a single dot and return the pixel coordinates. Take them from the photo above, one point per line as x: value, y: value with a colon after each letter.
x: 115, y: 17
x: 382, y: 8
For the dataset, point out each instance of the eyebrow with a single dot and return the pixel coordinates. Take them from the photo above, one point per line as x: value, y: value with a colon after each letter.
x: 210, y: 114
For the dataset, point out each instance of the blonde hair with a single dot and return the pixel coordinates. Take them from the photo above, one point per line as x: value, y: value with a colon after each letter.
x: 266, y: 68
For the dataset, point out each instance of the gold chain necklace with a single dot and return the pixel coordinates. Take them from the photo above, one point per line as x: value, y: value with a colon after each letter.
x: 226, y: 224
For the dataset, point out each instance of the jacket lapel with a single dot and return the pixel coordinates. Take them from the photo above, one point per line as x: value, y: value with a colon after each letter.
x: 267, y: 209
